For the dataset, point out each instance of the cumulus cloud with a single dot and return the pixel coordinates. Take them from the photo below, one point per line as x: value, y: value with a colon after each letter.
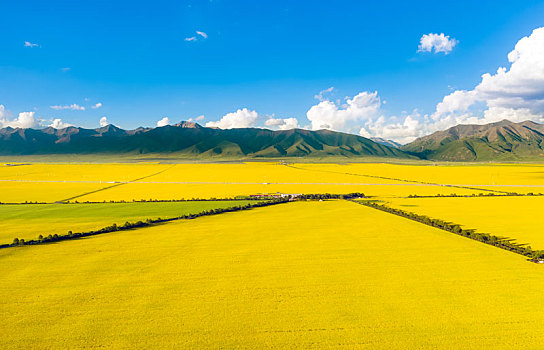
x: 329, y: 115
x: 96, y: 106
x: 104, y: 121
x: 163, y: 122
x: 282, y: 124
x: 401, y: 130
x: 242, y: 118
x: 59, y: 124
x: 516, y: 93
x: 29, y: 44
x: 437, y: 43
x: 23, y: 120
x: 73, y: 107
x: 363, y: 113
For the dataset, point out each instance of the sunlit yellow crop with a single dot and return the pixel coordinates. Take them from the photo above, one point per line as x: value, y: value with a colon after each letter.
x: 519, y: 218
x: 297, y: 275
x: 109, y: 181
x: 32, y: 220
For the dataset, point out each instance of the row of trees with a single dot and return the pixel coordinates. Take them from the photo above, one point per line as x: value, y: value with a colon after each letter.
x: 321, y: 196
x: 491, y: 194
x: 503, y: 243
x: 149, y: 222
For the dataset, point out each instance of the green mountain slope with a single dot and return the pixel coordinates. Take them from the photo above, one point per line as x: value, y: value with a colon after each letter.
x: 190, y: 140
x: 504, y: 140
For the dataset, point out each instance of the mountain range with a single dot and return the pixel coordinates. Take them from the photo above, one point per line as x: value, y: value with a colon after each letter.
x: 191, y: 140
x: 504, y: 140
x: 501, y: 141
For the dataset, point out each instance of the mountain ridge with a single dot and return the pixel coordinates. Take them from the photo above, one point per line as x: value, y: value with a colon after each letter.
x: 191, y: 140
x: 503, y: 140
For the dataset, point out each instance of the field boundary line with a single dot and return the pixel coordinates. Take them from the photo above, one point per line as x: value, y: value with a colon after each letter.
x: 506, y: 243
x: 141, y: 224
x: 396, y: 179
x: 116, y: 185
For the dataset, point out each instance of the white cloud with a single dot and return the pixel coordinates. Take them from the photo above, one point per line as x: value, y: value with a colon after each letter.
x: 197, y: 119
x: 199, y: 35
x: 392, y: 128
x: 329, y: 115
x: 59, y: 124
x: 516, y: 93
x: 322, y: 93
x: 363, y: 113
x: 163, y: 122
x: 242, y: 118
x: 24, y: 119
x: 459, y: 100
x: 104, y: 121
x: 73, y: 107
x: 96, y: 106
x: 282, y: 124
x: 65, y: 69
x: 29, y: 44
x: 436, y: 42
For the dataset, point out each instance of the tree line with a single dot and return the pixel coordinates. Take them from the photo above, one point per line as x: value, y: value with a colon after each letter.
x: 509, y: 194
x: 321, y: 196
x: 503, y: 243
x: 148, y: 222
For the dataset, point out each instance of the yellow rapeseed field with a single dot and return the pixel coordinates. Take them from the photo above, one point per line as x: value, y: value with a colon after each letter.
x: 297, y: 275
x: 515, y: 217
x: 30, y: 221
x: 97, y: 182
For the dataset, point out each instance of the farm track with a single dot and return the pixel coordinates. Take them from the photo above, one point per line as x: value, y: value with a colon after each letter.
x: 467, y: 187
x: 269, y: 183
x: 117, y: 184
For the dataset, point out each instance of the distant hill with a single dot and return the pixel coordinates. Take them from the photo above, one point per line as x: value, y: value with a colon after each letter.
x: 386, y: 142
x: 191, y: 140
x: 504, y: 140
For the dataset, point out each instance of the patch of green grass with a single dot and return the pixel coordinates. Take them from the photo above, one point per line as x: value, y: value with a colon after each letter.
x: 28, y: 221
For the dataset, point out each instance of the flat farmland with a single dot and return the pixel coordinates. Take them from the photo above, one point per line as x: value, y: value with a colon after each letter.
x: 519, y: 218
x: 30, y: 221
x: 50, y: 183
x: 282, y: 277
x: 470, y: 174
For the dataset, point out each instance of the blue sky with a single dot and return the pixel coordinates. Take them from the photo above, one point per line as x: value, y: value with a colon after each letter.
x: 271, y: 57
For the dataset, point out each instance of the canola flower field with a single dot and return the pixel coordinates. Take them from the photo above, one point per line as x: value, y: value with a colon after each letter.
x: 519, y: 218
x: 29, y: 221
x: 280, y: 277
x: 300, y: 274
x: 135, y: 181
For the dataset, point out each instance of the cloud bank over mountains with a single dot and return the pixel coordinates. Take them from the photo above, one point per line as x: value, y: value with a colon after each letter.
x: 515, y: 93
